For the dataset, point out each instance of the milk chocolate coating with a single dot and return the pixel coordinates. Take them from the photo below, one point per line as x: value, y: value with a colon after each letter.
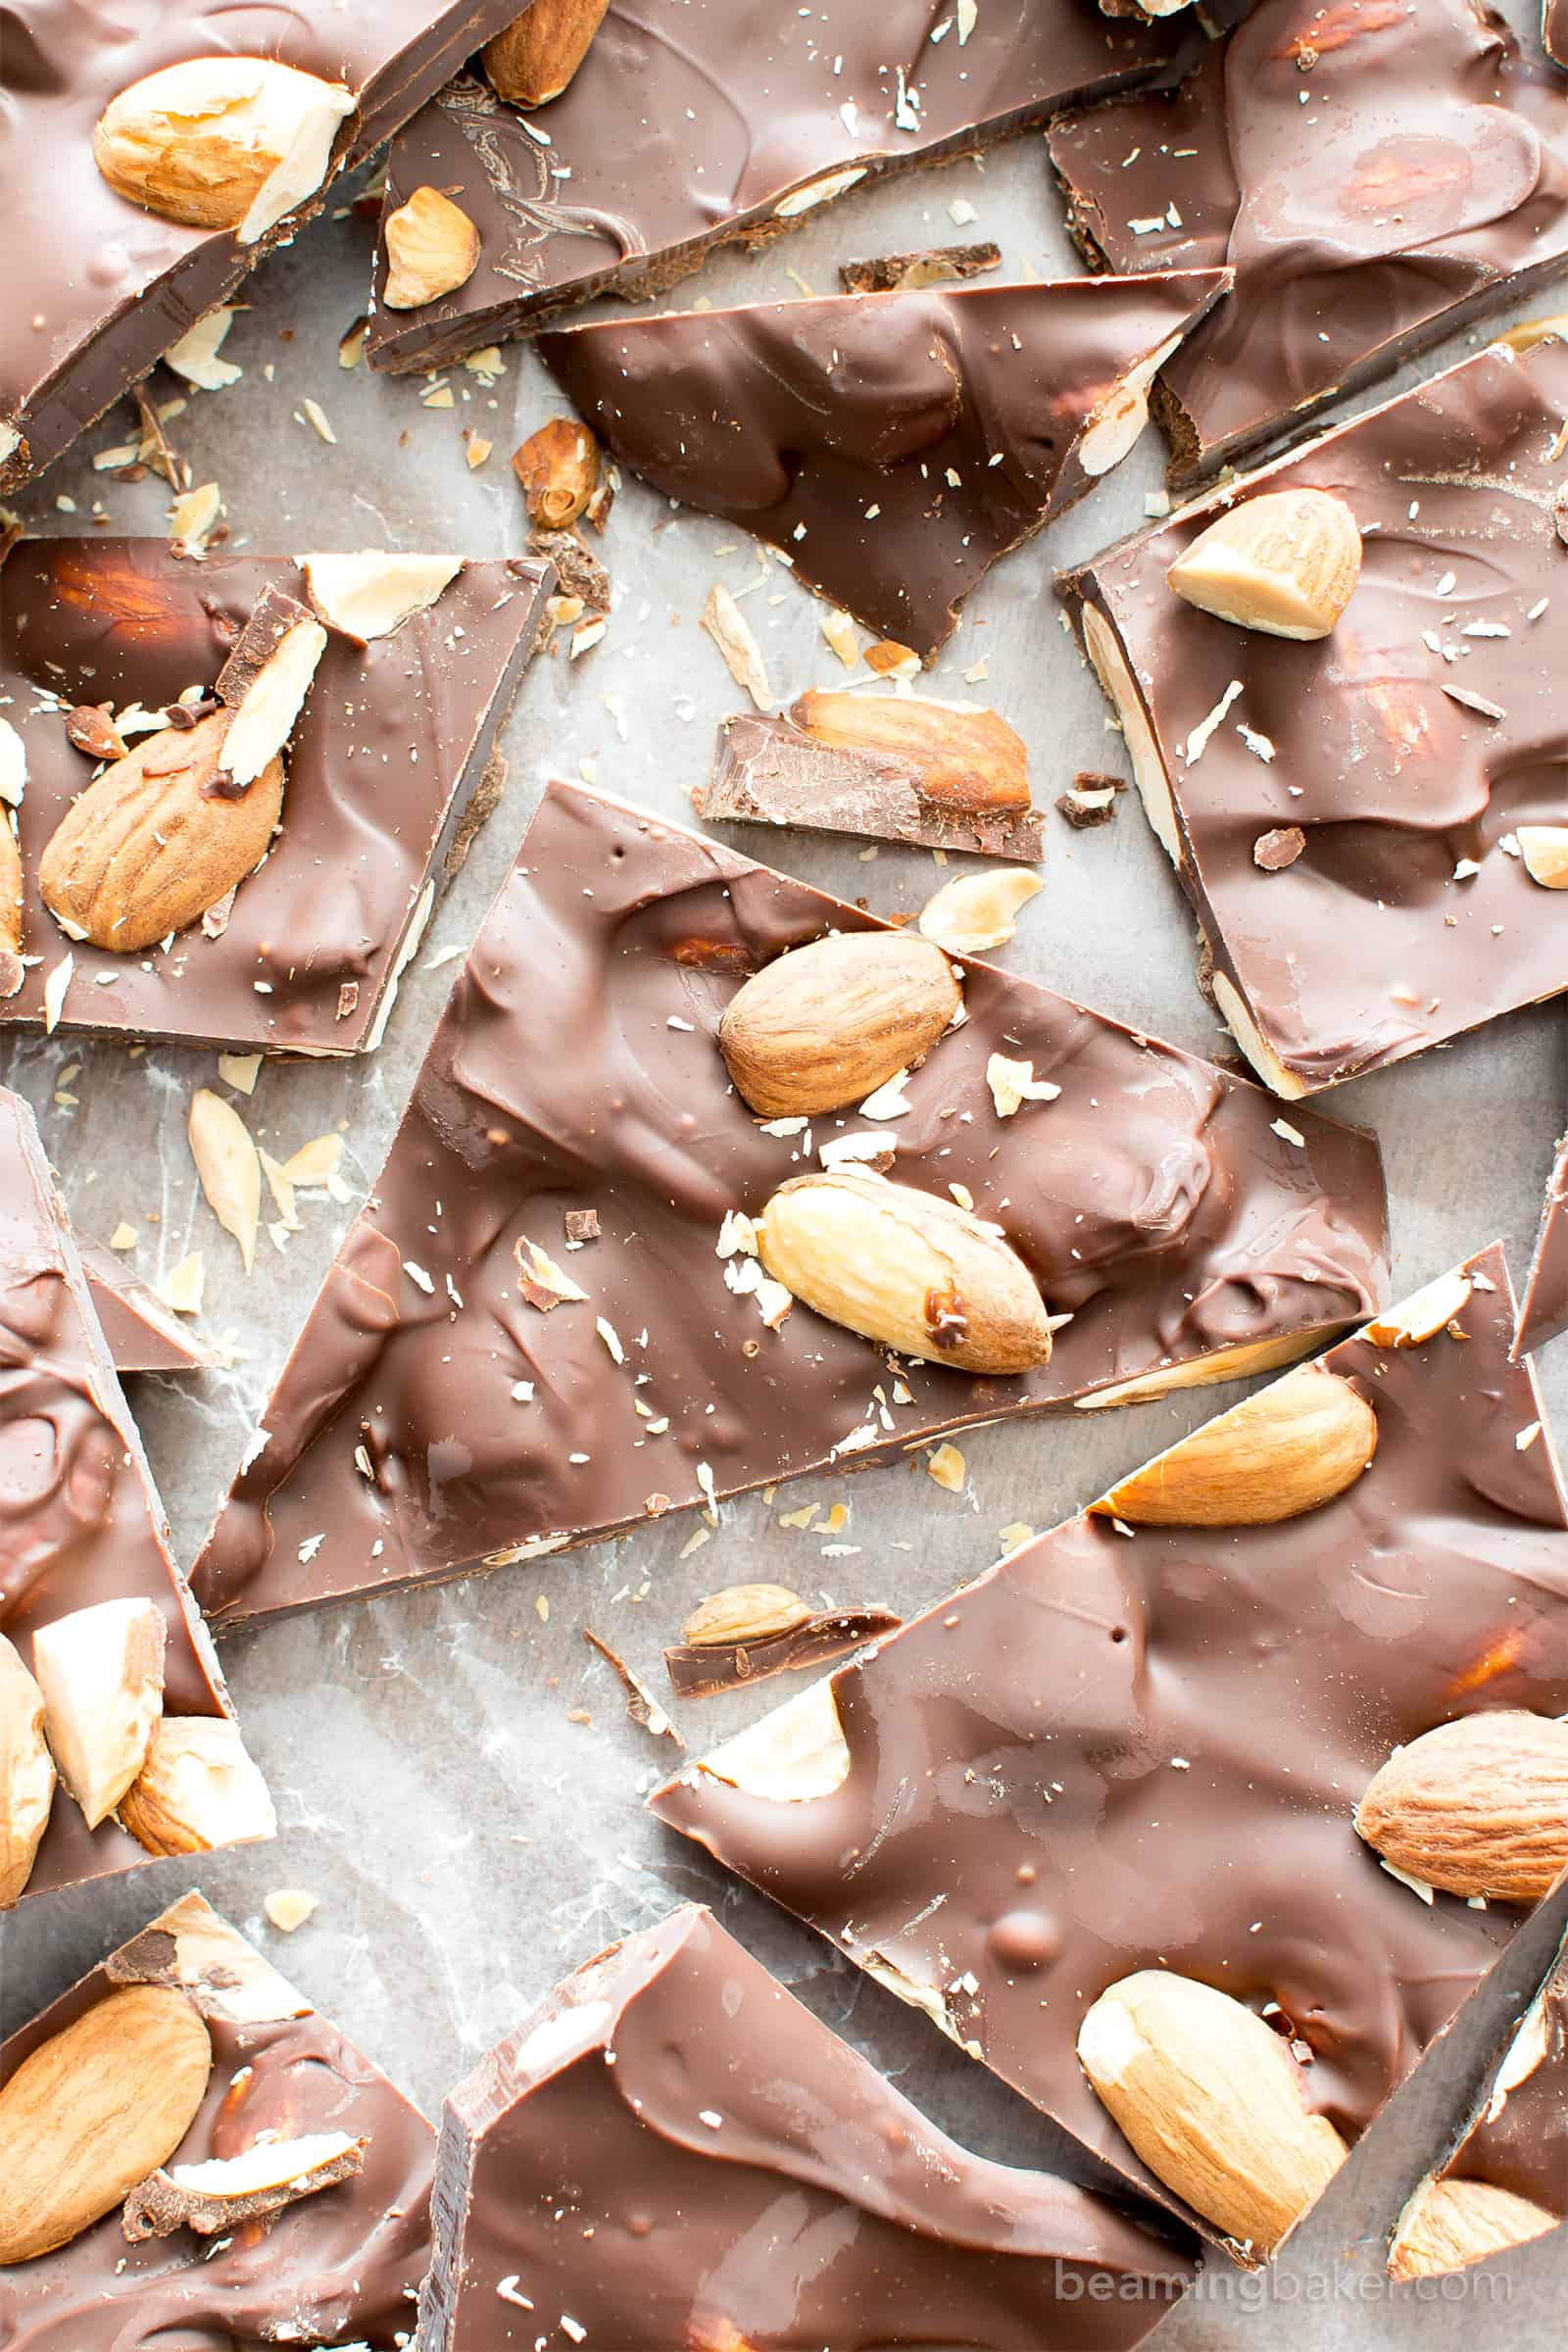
x: 1554, y: 28
x: 858, y: 432
x: 689, y: 121
x: 1123, y: 1751
x: 1518, y: 2139
x: 79, y: 1518
x: 1543, y: 1309
x: 1378, y: 174
x: 339, y: 2265
x: 140, y: 1333
x: 97, y: 289
x: 576, y: 1067
x: 675, y: 2154
x: 390, y: 735
x: 1371, y: 946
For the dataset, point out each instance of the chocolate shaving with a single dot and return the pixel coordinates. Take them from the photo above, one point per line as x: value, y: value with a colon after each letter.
x: 582, y: 1225
x: 934, y: 266
x: 641, y: 1704
x: 701, y: 1672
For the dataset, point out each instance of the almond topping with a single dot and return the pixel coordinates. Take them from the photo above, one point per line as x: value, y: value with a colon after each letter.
x: 26, y: 1774
x: 222, y: 142
x: 536, y: 57
x: 367, y: 596
x: 1450, y: 2223
x: 1543, y: 849
x: 958, y: 756
x: 229, y: 1170
x: 228, y: 2192
x: 11, y: 968
x: 197, y: 1789
x: 976, y: 912
x: 1286, y: 563
x: 264, y: 682
x: 1287, y: 1450
x: 745, y: 1613
x: 432, y: 249
x: 559, y: 469
x: 1423, y: 1315
x: 830, y: 1022
x: 1477, y: 1807
x: 101, y: 1670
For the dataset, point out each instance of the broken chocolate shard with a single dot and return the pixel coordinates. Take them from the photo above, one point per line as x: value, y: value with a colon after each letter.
x: 893, y: 446
x: 225, y: 2193
x: 709, y: 2136
x: 270, y: 621
x: 1543, y: 1309
x: 641, y: 1704
x: 1156, y: 1207
x: 696, y: 1670
x: 935, y: 266
x: 141, y: 1334
x: 1092, y: 800
x: 1378, y: 174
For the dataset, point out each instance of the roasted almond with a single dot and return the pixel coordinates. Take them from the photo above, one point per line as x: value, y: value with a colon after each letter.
x: 1214, y: 2102
x: 1290, y: 1449
x: 1450, y: 2223
x: 1286, y: 563
x: 830, y: 1022
x: 155, y: 840
x: 432, y: 248
x: 95, y: 2109
x: 745, y: 1613
x: 222, y: 142
x: 958, y: 756
x: 1543, y: 849
x: 11, y: 968
x: 1477, y: 1807
x: 101, y: 1671
x: 26, y: 1774
x: 907, y: 1269
x: 536, y: 57
x: 197, y: 1789
x: 559, y: 468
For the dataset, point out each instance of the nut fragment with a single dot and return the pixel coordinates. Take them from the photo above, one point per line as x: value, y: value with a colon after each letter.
x: 1290, y: 1449
x: 536, y: 57
x: 1423, y: 1315
x: 1278, y: 847
x: 745, y: 1613
x: 226, y: 2191
x: 264, y: 682
x: 369, y: 595
x: 26, y: 1774
x: 976, y: 912
x: 1543, y: 849
x: 1531, y: 331
x: 1450, y: 2223
x: 432, y: 248
x: 905, y: 1268
x: 101, y: 1670
x: 559, y: 468
x: 960, y: 756
x: 1286, y: 563
x: 731, y: 632
x: 1212, y: 2101
x: 289, y: 1908
x: 90, y: 728
x: 197, y: 1789
x: 1120, y: 416
x: 229, y: 1168
x: 830, y: 1022
x: 1476, y: 1806
x: 222, y: 142
x: 11, y: 968
x: 93, y: 2110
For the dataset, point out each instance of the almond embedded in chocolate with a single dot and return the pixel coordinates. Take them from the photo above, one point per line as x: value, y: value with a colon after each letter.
x: 26, y: 1774
x: 222, y: 142
x: 535, y: 59
x: 1477, y: 1807
x: 827, y: 1024
x: 225, y: 2192
x: 960, y: 756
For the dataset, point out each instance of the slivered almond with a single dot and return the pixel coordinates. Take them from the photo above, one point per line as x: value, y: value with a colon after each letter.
x: 197, y: 1789
x: 432, y: 249
x: 1291, y: 1448
x: 976, y: 912
x: 1477, y: 1807
x: 958, y: 756
x: 1450, y: 2223
x: 731, y: 632
x: 101, y: 1671
x: 745, y: 1613
x: 26, y: 1774
x: 559, y: 468
x: 229, y: 1170
x: 222, y: 142
x: 264, y: 682
x: 226, y: 2191
x: 535, y: 58
x: 1286, y: 563
x: 830, y: 1022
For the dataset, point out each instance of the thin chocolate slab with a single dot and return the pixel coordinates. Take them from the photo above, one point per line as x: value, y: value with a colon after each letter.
x: 341, y: 2264
x: 1377, y: 172
x: 1543, y: 1309
x: 894, y: 446
x: 1408, y: 746
x: 81, y: 1521
x: 693, y: 123
x: 391, y: 736
x: 1138, y: 1746
x: 1554, y: 28
x: 440, y: 1412
x: 663, y: 2154
x: 96, y: 288
x: 140, y: 1333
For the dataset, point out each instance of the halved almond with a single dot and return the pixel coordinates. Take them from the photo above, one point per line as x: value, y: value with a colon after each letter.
x: 1544, y: 850
x: 26, y: 1774
x: 197, y: 1789
x: 1290, y: 1449
x: 101, y: 1671
x: 222, y: 142
x: 1450, y: 2223
x: 1286, y: 563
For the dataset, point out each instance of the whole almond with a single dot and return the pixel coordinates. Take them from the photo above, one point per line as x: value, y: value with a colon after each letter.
x: 149, y: 846
x: 222, y: 142
x: 1290, y: 1449
x: 197, y: 1789
x: 12, y: 969
x: 1450, y: 2223
x: 432, y: 248
x: 95, y: 2109
x: 559, y: 468
x: 536, y: 57
x: 1286, y: 563
x: 830, y: 1022
x: 907, y: 1269
x: 1214, y: 2102
x: 745, y: 1613
x: 958, y: 756
x: 26, y: 1774
x: 1476, y: 1806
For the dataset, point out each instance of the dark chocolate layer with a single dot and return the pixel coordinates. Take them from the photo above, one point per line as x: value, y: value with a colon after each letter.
x: 1543, y: 1309
x: 576, y: 1067
x: 1127, y: 1749
x: 672, y: 2155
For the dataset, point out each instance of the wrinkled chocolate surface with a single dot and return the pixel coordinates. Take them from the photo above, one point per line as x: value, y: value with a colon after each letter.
x: 1543, y: 1309
x: 576, y: 1068
x: 697, y: 2162
x: 857, y: 432
x: 1382, y: 938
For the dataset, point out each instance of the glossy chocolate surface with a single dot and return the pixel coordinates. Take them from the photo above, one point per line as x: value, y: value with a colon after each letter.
x: 576, y: 1067
x: 1124, y: 1751
x: 343, y: 2265
x: 80, y: 1519
x: 97, y: 289
x: 140, y: 1333
x: 690, y: 121
x: 1410, y: 917
x: 390, y: 735
x: 1376, y: 171
x: 1543, y: 1309
x: 893, y: 445
x: 678, y: 2157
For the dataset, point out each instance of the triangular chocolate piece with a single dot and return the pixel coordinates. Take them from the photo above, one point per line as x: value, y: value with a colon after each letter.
x: 141, y: 1334
x: 550, y: 1322
x: 1544, y: 1308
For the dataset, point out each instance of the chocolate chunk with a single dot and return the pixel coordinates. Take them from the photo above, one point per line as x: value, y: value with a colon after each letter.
x: 1154, y: 1204
x: 708, y: 2139
x: 698, y: 1670
x: 1092, y: 799
x: 582, y: 1225
x: 893, y: 445
x: 936, y: 266
x: 1544, y: 1311
x: 641, y: 1704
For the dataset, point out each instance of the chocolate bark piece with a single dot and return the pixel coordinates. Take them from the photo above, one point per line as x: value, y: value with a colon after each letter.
x: 1543, y: 1309
x: 378, y: 763
x: 893, y: 445
x: 140, y: 1333
x: 81, y: 1521
x: 1554, y: 28
x: 768, y: 771
x: 691, y: 124
x: 97, y: 289
x: 1407, y: 744
x: 450, y: 1403
x: 1378, y: 173
x: 344, y: 2264
x: 1140, y: 1745
x: 658, y: 2155
x: 932, y: 266
x: 698, y: 1669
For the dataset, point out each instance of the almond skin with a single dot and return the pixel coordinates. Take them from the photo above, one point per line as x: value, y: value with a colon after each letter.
x: 535, y: 58
x: 829, y: 1023
x: 1286, y: 563
x: 745, y: 1613
x: 144, y: 851
x: 1291, y: 1448
x: 1450, y: 2223
x: 220, y: 142
x: 432, y: 248
x: 1476, y: 1806
x: 960, y: 756
x: 559, y: 469
x: 93, y: 2111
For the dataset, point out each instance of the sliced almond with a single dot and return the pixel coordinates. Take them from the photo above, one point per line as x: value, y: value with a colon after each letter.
x: 1543, y: 849
x: 792, y: 1754
x: 1214, y: 2102
x: 830, y: 1022
x: 731, y: 632
x: 1290, y: 1449
x: 229, y: 1168
x: 228, y: 2192
x: 905, y: 1268
x: 195, y: 354
x: 1422, y: 1316
x: 93, y: 2110
x: 976, y: 912
x: 26, y: 1774
x: 745, y: 1613
x: 264, y: 682
x: 369, y: 595
x: 12, y: 766
x: 101, y: 1670
x: 11, y: 968
x: 1286, y: 563
x: 1477, y: 1807
x: 197, y: 1789
x: 222, y: 142
x: 559, y: 468
x: 1450, y: 2223
x: 432, y: 249
x: 534, y: 59
x: 1117, y: 423
x: 958, y: 756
